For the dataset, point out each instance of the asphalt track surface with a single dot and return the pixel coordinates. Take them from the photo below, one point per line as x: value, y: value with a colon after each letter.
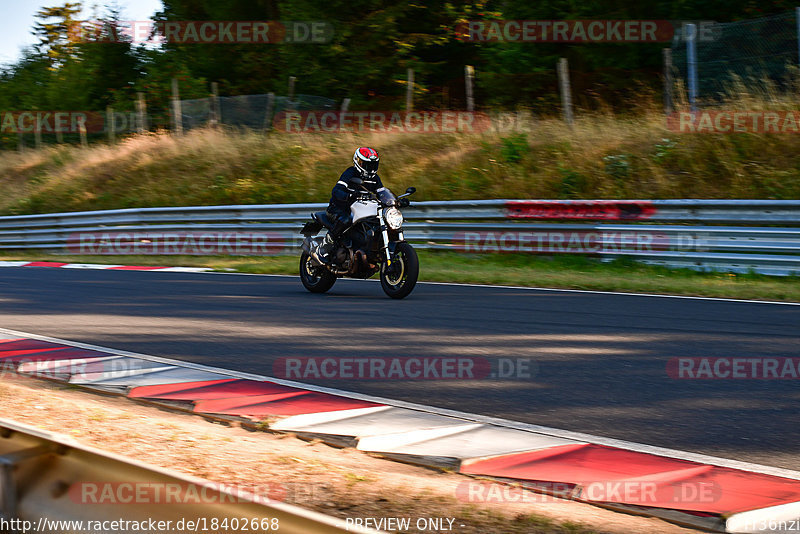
x: 600, y: 360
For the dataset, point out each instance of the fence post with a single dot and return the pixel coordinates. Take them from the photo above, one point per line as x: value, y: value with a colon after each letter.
x: 469, y: 74
x: 37, y: 134
x: 410, y: 90
x: 177, y: 116
x: 667, y: 81
x: 82, y: 131
x: 20, y: 142
x: 268, y: 113
x: 59, y: 135
x: 214, y: 115
x: 345, y: 105
x: 110, y: 126
x: 691, y: 64
x: 290, y: 104
x: 141, y: 112
x: 566, y: 91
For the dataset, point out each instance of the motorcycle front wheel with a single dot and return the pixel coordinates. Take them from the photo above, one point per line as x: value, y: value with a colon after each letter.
x: 399, y: 279
x: 315, y: 279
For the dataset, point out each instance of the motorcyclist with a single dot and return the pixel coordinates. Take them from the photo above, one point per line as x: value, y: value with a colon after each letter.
x: 365, y: 167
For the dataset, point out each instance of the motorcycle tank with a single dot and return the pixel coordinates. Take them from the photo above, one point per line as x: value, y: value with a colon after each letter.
x: 361, y: 209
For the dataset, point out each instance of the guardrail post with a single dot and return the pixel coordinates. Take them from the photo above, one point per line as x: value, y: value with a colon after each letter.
x: 8, y: 488
x: 8, y: 491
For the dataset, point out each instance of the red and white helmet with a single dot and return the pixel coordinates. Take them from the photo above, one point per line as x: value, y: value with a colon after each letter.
x: 366, y: 161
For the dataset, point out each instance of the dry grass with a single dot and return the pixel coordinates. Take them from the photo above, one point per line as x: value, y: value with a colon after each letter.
x: 603, y: 156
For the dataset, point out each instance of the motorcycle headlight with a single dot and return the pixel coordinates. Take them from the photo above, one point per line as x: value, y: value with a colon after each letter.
x: 394, y: 219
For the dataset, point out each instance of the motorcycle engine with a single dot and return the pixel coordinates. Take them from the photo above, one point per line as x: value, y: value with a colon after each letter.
x: 341, y: 256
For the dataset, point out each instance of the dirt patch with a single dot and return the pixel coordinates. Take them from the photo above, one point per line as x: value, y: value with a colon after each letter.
x: 344, y: 483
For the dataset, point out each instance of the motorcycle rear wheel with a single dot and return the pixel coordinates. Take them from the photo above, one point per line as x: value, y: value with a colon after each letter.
x: 398, y: 281
x: 315, y: 279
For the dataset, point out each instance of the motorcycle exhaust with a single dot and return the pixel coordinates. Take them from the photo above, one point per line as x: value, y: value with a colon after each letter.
x: 311, y: 247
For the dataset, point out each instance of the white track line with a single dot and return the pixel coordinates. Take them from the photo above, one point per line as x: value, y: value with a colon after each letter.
x: 527, y: 288
x: 578, y: 436
x: 550, y: 289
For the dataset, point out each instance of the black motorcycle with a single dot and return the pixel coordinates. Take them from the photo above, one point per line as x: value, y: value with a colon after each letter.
x: 372, y: 242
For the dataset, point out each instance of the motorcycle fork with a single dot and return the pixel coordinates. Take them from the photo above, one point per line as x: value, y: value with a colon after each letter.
x: 385, y: 235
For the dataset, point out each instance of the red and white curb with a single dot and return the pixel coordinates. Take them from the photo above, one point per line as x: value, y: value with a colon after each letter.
x: 102, y: 266
x: 742, y: 497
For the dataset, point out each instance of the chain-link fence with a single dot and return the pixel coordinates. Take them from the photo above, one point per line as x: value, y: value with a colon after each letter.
x: 751, y: 51
x: 247, y: 111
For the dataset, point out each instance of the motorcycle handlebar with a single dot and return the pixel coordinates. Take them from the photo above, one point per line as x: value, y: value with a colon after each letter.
x: 388, y: 199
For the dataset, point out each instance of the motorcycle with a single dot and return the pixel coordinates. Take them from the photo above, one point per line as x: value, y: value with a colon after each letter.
x: 372, y: 242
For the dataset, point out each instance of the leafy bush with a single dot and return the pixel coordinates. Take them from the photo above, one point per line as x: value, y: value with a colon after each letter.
x: 514, y: 147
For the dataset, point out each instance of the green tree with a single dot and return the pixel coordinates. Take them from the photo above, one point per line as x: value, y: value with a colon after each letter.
x: 55, y: 36
x: 109, y: 63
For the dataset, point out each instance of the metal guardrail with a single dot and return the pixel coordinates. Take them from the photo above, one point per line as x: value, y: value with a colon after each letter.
x: 736, y: 212
x: 48, y: 480
x: 761, y: 235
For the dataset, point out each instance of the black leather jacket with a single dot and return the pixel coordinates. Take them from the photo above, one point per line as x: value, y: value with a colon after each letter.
x: 343, y: 193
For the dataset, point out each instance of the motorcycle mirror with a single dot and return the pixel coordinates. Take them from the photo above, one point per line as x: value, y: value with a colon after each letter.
x: 357, y: 181
x: 411, y: 190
